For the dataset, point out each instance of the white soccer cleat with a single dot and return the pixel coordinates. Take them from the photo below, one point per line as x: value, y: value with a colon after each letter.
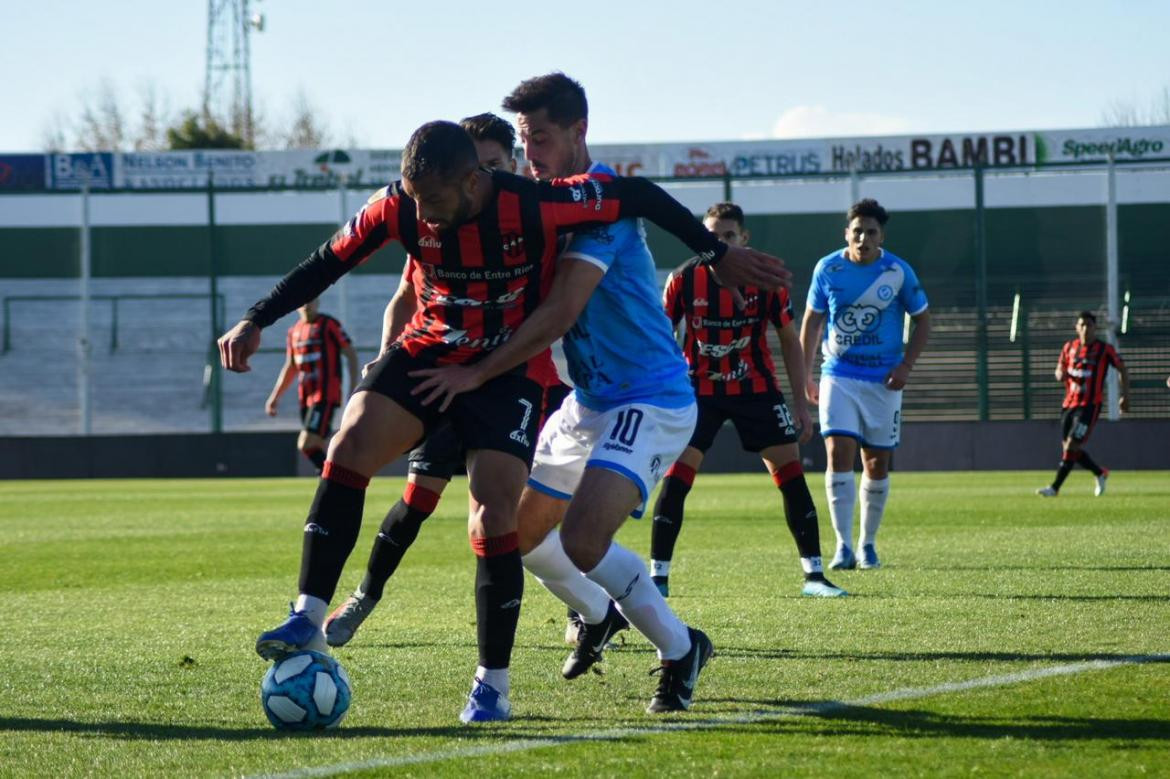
x: 1047, y: 492
x: 1099, y: 489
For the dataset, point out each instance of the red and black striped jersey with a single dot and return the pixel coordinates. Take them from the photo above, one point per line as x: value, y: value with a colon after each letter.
x: 541, y: 367
x: 477, y: 282
x: 1085, y: 366
x: 726, y: 348
x: 315, y: 349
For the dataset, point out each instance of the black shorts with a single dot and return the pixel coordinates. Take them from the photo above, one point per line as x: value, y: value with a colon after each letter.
x: 503, y: 415
x: 442, y: 456
x: 554, y: 396
x: 318, y: 418
x: 761, y: 420
x: 1077, y: 422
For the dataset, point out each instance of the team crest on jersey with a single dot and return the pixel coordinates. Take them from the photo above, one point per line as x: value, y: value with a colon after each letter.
x: 885, y: 292
x: 697, y: 321
x: 513, y: 244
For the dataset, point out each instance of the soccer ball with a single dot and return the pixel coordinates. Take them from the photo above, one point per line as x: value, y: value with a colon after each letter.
x: 305, y: 691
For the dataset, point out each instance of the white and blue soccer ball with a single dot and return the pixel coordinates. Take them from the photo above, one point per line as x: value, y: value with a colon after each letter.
x: 305, y: 691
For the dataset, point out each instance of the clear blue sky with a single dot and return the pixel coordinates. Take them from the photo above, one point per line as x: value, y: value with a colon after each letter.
x: 654, y: 70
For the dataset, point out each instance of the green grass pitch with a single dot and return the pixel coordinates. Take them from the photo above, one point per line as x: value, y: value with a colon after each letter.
x: 129, y: 610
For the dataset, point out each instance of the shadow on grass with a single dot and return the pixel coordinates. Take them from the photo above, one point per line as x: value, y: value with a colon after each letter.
x: 155, y: 731
x: 834, y: 719
x: 766, y: 653
x: 950, y: 568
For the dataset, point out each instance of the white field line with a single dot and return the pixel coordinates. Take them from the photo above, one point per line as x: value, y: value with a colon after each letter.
x: 908, y: 693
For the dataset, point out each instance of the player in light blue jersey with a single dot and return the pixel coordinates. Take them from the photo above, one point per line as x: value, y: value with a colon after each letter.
x: 857, y: 301
x: 630, y: 416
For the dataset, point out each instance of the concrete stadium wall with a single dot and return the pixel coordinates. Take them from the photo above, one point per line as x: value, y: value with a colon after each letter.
x: 926, y: 446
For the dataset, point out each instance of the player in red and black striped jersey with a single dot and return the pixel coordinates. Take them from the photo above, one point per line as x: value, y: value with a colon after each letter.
x: 437, y: 459
x: 313, y: 351
x: 487, y: 242
x: 725, y: 343
x: 1082, y: 366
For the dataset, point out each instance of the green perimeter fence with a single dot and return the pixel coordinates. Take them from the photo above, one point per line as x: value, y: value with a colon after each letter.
x: 995, y: 339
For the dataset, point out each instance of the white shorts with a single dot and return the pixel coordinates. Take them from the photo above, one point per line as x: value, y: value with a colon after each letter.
x: 864, y: 410
x: 637, y: 440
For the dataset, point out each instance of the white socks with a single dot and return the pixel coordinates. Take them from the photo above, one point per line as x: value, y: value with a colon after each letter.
x: 842, y: 494
x: 494, y: 677
x: 660, y: 567
x: 315, y: 608
x: 873, y: 506
x: 624, y: 576
x: 553, y: 568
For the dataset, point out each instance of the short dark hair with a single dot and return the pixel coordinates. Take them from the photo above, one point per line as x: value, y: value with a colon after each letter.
x: 439, y: 148
x: 1088, y: 316
x: 561, y: 96
x: 489, y: 127
x: 726, y: 211
x: 868, y: 207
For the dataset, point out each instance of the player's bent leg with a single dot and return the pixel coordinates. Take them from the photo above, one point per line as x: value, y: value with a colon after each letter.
x: 496, y: 480
x: 596, y: 619
x: 374, y: 431
x: 544, y: 556
x: 599, y: 507
x: 668, y: 515
x: 841, y: 491
x: 399, y: 529
x: 800, y: 513
x: 875, y: 490
x: 312, y: 446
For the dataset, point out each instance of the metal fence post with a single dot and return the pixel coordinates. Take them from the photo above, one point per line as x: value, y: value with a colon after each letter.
x: 83, y: 366
x: 981, y: 371
x: 213, y: 272
x: 1026, y: 359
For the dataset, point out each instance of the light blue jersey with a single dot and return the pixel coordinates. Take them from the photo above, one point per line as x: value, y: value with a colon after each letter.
x: 866, y: 305
x: 622, y: 348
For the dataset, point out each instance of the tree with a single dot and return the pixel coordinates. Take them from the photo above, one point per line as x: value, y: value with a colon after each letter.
x: 196, y: 132
x: 102, y: 124
x: 306, y: 131
x: 1123, y: 113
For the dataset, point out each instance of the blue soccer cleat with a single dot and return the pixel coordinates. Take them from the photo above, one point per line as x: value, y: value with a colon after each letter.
x: 822, y: 588
x: 485, y: 704
x: 843, y: 560
x: 297, y: 633
x: 869, y: 558
x: 663, y: 584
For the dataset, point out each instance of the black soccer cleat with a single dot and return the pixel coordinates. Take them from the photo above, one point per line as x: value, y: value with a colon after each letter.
x: 591, y: 641
x: 676, y: 683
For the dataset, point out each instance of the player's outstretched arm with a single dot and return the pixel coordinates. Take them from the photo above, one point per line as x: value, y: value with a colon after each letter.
x: 810, y: 336
x: 572, y: 287
x: 599, y: 198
